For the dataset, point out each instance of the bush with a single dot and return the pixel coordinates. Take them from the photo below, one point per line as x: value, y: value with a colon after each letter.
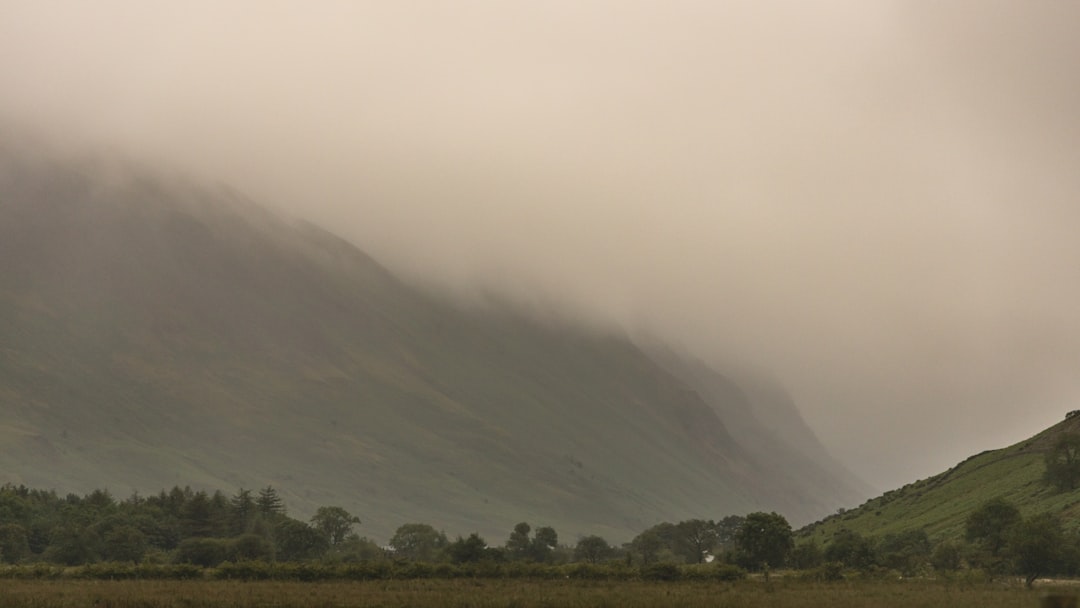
x: 205, y: 552
x: 108, y: 571
x: 413, y: 570
x: 729, y: 572
x: 712, y: 572
x: 829, y: 571
x: 251, y: 547
x: 851, y: 549
x: 14, y: 543
x: 807, y: 556
x: 104, y: 571
x: 947, y: 556
x: 364, y: 571
x: 38, y: 571
x: 305, y: 572
x: 586, y: 571
x: 247, y: 571
x: 879, y: 573
x: 174, y: 572
x: 446, y: 571
x: 124, y: 544
x: 664, y: 571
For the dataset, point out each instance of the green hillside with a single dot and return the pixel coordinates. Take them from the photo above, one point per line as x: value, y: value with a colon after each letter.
x: 156, y: 332
x: 940, y: 505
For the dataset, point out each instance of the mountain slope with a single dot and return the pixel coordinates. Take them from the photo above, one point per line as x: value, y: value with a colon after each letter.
x: 940, y: 504
x: 760, y: 413
x: 156, y: 332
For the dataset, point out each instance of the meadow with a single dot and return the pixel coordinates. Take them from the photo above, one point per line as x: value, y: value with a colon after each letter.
x: 504, y: 593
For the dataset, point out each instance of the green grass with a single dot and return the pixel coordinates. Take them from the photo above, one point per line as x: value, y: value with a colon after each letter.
x: 940, y: 505
x: 511, y: 594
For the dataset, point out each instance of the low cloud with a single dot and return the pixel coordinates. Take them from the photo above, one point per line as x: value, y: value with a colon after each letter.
x: 875, y: 200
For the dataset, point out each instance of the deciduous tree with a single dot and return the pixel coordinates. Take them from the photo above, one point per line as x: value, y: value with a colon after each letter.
x: 647, y: 546
x: 124, y: 544
x: 989, y: 525
x: 1063, y: 462
x: 1035, y: 546
x: 418, y: 542
x: 851, y: 549
x: 765, y: 539
x: 727, y: 529
x: 467, y: 550
x: 592, y: 549
x: 907, y: 551
x: 14, y: 543
x: 544, y: 541
x: 517, y: 546
x: 696, y: 538
x: 334, y: 522
x: 806, y: 555
x: 296, y: 541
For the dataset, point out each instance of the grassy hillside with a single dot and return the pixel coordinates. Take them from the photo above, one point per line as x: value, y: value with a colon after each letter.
x: 154, y: 332
x: 940, y: 505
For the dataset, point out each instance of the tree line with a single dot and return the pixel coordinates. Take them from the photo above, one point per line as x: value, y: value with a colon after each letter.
x: 186, y: 526
x: 212, y: 530
x: 179, y: 525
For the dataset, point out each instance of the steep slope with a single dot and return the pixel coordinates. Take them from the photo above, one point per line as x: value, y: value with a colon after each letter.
x: 761, y: 414
x: 156, y: 332
x: 940, y: 505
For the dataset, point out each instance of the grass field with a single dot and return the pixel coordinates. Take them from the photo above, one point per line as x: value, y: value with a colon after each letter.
x: 508, y: 594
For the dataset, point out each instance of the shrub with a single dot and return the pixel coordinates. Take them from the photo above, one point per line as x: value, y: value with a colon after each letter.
x: 413, y: 570
x: 729, y: 572
x: 306, y: 572
x: 586, y: 571
x: 947, y: 556
x: 174, y: 572
x: 251, y: 547
x: 664, y: 571
x: 108, y: 571
x: 807, y: 556
x: 32, y: 571
x: 446, y: 571
x: 247, y: 571
x: 14, y: 543
x: 124, y: 544
x: 829, y: 571
x: 365, y: 571
x: 205, y: 552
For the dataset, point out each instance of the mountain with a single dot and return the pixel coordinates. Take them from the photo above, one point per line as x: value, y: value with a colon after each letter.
x: 155, y: 331
x: 762, y: 415
x: 940, y: 504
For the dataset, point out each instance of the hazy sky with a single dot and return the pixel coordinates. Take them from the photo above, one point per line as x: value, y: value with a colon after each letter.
x: 879, y: 201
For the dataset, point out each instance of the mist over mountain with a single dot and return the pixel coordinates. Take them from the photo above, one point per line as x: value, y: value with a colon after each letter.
x: 874, y: 201
x: 158, y: 331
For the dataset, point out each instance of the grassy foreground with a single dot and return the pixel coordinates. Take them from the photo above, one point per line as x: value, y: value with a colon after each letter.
x: 507, y: 593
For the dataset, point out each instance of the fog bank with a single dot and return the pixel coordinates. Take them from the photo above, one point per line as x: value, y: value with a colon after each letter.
x: 877, y: 201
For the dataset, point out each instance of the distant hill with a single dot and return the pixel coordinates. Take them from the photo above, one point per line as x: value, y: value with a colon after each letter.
x: 940, y: 505
x: 155, y: 332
